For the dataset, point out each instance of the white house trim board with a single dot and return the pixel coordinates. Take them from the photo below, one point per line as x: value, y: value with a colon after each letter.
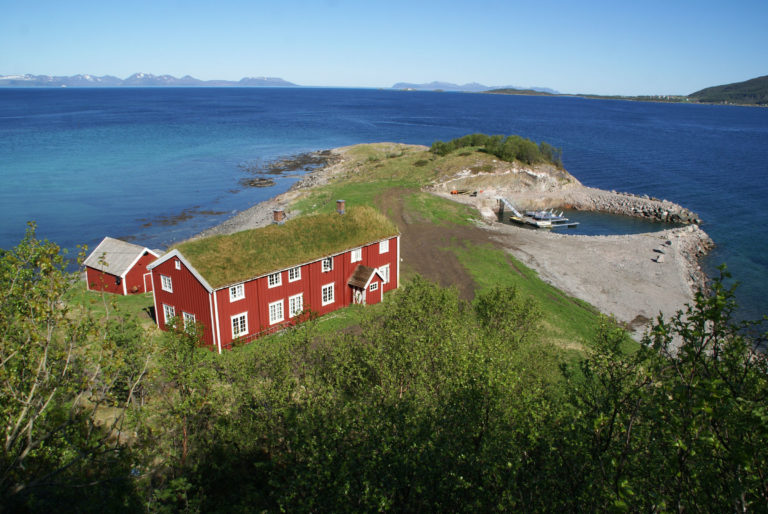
x: 154, y: 298
x: 146, y: 250
x: 178, y: 254
x: 125, y: 288
x: 398, y: 261
x: 217, y: 335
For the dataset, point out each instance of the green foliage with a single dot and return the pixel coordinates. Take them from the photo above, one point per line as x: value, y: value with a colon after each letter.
x: 510, y: 148
x: 681, y: 424
x: 750, y: 92
x: 58, y: 374
x: 434, y: 404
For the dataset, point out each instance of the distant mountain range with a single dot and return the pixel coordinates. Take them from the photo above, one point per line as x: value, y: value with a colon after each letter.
x: 748, y: 92
x: 135, y: 80
x: 472, y: 87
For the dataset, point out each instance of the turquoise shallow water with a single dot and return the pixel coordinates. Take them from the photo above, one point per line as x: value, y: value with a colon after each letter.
x: 85, y: 163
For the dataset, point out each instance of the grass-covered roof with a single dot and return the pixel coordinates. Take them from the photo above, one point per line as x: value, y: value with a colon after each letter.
x: 230, y: 259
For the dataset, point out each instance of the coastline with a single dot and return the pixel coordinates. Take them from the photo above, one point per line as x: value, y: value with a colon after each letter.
x: 623, y: 276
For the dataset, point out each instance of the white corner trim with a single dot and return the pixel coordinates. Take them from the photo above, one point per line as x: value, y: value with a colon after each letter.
x: 180, y: 256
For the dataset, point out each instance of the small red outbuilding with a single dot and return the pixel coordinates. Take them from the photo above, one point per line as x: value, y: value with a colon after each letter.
x: 115, y: 266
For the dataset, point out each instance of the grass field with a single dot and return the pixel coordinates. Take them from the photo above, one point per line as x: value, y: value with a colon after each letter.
x: 373, y: 171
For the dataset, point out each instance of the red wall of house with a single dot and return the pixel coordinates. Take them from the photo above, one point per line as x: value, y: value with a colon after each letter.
x: 188, y: 295
x: 135, y: 277
x: 102, y: 281
x: 258, y: 295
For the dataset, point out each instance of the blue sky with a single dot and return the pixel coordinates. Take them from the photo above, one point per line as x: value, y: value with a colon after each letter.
x: 602, y: 47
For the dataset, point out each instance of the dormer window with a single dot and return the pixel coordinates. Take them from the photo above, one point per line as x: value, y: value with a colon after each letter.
x: 236, y: 292
x: 275, y: 279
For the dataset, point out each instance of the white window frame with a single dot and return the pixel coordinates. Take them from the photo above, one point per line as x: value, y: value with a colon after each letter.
x: 275, y: 280
x: 189, y: 319
x: 169, y: 311
x: 236, y: 330
x: 384, y: 246
x: 273, y: 314
x: 373, y: 287
x: 236, y: 292
x: 295, y: 307
x: 357, y: 255
x: 166, y: 283
x: 384, y: 270
x: 177, y: 264
x: 294, y: 274
x: 327, y: 264
x: 331, y: 297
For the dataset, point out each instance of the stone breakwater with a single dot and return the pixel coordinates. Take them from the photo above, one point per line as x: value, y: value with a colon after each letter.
x: 629, y: 205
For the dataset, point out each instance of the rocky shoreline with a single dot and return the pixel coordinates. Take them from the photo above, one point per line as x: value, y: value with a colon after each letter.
x: 633, y: 277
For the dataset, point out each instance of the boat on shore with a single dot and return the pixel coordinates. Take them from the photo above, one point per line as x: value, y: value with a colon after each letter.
x: 537, y: 219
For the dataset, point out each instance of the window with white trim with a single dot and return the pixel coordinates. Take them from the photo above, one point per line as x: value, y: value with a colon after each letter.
x: 328, y: 294
x: 166, y: 283
x: 275, y: 279
x: 236, y: 292
x: 357, y: 255
x: 294, y: 274
x: 239, y: 325
x: 169, y: 311
x: 327, y: 264
x: 276, y: 312
x: 189, y: 320
x: 177, y: 263
x: 295, y: 305
x: 384, y: 246
x: 384, y: 270
x: 373, y: 287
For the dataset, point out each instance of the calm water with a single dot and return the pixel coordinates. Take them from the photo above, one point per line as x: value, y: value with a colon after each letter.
x: 85, y: 163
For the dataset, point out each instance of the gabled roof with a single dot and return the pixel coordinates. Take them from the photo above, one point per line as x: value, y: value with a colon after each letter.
x: 362, y: 276
x: 230, y: 259
x: 115, y: 256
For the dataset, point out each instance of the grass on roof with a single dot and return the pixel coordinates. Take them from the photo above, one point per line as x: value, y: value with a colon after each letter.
x: 224, y: 260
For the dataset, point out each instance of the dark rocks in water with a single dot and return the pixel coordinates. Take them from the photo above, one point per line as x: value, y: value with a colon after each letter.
x: 257, y: 182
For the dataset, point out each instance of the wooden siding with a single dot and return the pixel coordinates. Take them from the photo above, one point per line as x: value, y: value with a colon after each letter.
x: 103, y: 281
x: 135, y: 276
x: 188, y: 295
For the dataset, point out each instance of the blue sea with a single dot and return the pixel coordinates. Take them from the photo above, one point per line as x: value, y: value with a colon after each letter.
x: 158, y: 165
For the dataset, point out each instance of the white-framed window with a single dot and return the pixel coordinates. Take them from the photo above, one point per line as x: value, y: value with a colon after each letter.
x: 357, y: 255
x: 236, y: 292
x: 239, y: 325
x: 169, y: 311
x: 276, y: 312
x: 327, y: 264
x: 384, y: 246
x: 294, y: 274
x: 295, y: 304
x: 166, y: 283
x: 177, y: 263
x: 275, y: 279
x: 189, y: 320
x: 328, y: 294
x: 384, y: 270
x: 374, y: 286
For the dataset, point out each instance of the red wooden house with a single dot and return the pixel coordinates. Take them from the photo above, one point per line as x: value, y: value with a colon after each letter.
x: 115, y: 266
x: 244, y: 285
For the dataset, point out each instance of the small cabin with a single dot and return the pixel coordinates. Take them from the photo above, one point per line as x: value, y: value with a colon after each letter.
x: 118, y: 267
x: 241, y: 286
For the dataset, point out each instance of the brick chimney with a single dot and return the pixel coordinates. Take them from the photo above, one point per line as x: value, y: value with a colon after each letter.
x: 278, y: 216
x: 340, y: 206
